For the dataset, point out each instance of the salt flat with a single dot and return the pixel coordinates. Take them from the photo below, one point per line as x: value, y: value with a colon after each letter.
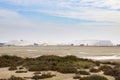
x: 87, y: 52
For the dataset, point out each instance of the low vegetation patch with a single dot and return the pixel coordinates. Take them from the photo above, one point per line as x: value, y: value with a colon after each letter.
x: 11, y: 68
x: 93, y: 77
x: 38, y: 72
x: 43, y: 76
x: 83, y: 73
x: 67, y: 64
x: 115, y: 72
x: 105, y: 68
x: 14, y: 78
x: 21, y: 72
x: 77, y: 76
x: 94, y: 70
x: 7, y: 61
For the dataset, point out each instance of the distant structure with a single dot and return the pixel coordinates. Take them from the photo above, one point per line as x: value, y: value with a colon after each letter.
x: 73, y: 43
x: 2, y: 44
x: 18, y: 43
x: 93, y: 43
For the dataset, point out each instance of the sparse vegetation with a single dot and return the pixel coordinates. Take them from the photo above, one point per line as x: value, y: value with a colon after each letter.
x: 105, y: 68
x: 77, y: 76
x: 38, y: 72
x: 6, y: 61
x: 114, y: 72
x: 42, y: 76
x: 21, y: 72
x: 94, y: 70
x: 93, y: 77
x: 14, y: 78
x: 12, y: 67
x: 66, y: 64
x: 83, y: 73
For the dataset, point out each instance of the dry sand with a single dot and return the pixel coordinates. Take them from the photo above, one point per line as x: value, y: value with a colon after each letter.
x: 61, y: 51
x: 5, y: 73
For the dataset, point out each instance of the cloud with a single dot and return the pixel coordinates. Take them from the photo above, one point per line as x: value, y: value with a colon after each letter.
x: 103, y: 14
x: 10, y: 18
x: 97, y: 10
x: 111, y: 4
x: 5, y: 13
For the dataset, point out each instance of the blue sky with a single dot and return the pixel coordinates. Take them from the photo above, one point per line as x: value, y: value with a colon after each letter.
x: 60, y: 20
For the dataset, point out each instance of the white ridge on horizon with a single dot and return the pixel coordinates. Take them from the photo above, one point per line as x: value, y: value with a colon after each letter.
x: 75, y: 42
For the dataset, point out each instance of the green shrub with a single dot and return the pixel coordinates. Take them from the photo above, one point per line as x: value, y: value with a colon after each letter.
x: 21, y: 72
x: 93, y: 77
x: 76, y: 76
x: 111, y: 63
x: 43, y: 76
x: 70, y: 58
x: 21, y: 68
x: 36, y: 68
x: 67, y: 70
x: 84, y: 64
x: 105, y: 68
x: 83, y: 73
x: 15, y: 78
x: 6, y: 61
x: 11, y: 68
x: 115, y: 72
x: 94, y: 70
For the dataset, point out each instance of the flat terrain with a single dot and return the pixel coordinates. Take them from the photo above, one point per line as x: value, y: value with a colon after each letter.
x: 61, y: 51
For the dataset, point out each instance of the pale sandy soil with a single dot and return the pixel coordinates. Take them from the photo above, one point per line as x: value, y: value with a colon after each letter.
x: 61, y: 51
x: 5, y: 73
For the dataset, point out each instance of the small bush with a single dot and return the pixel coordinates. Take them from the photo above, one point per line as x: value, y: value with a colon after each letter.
x: 11, y: 68
x: 36, y: 68
x: 15, y: 78
x: 94, y: 77
x: 67, y: 70
x: 43, y: 76
x: 111, y: 63
x: 6, y: 61
x: 38, y: 72
x: 94, y: 70
x: 76, y: 76
x: 21, y: 72
x: 83, y: 73
x: 115, y: 72
x: 105, y: 68
x: 21, y: 68
x: 97, y: 63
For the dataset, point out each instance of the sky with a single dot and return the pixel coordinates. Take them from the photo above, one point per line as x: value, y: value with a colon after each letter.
x: 60, y: 20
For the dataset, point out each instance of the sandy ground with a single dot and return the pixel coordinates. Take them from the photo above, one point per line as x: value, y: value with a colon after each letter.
x: 5, y: 73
